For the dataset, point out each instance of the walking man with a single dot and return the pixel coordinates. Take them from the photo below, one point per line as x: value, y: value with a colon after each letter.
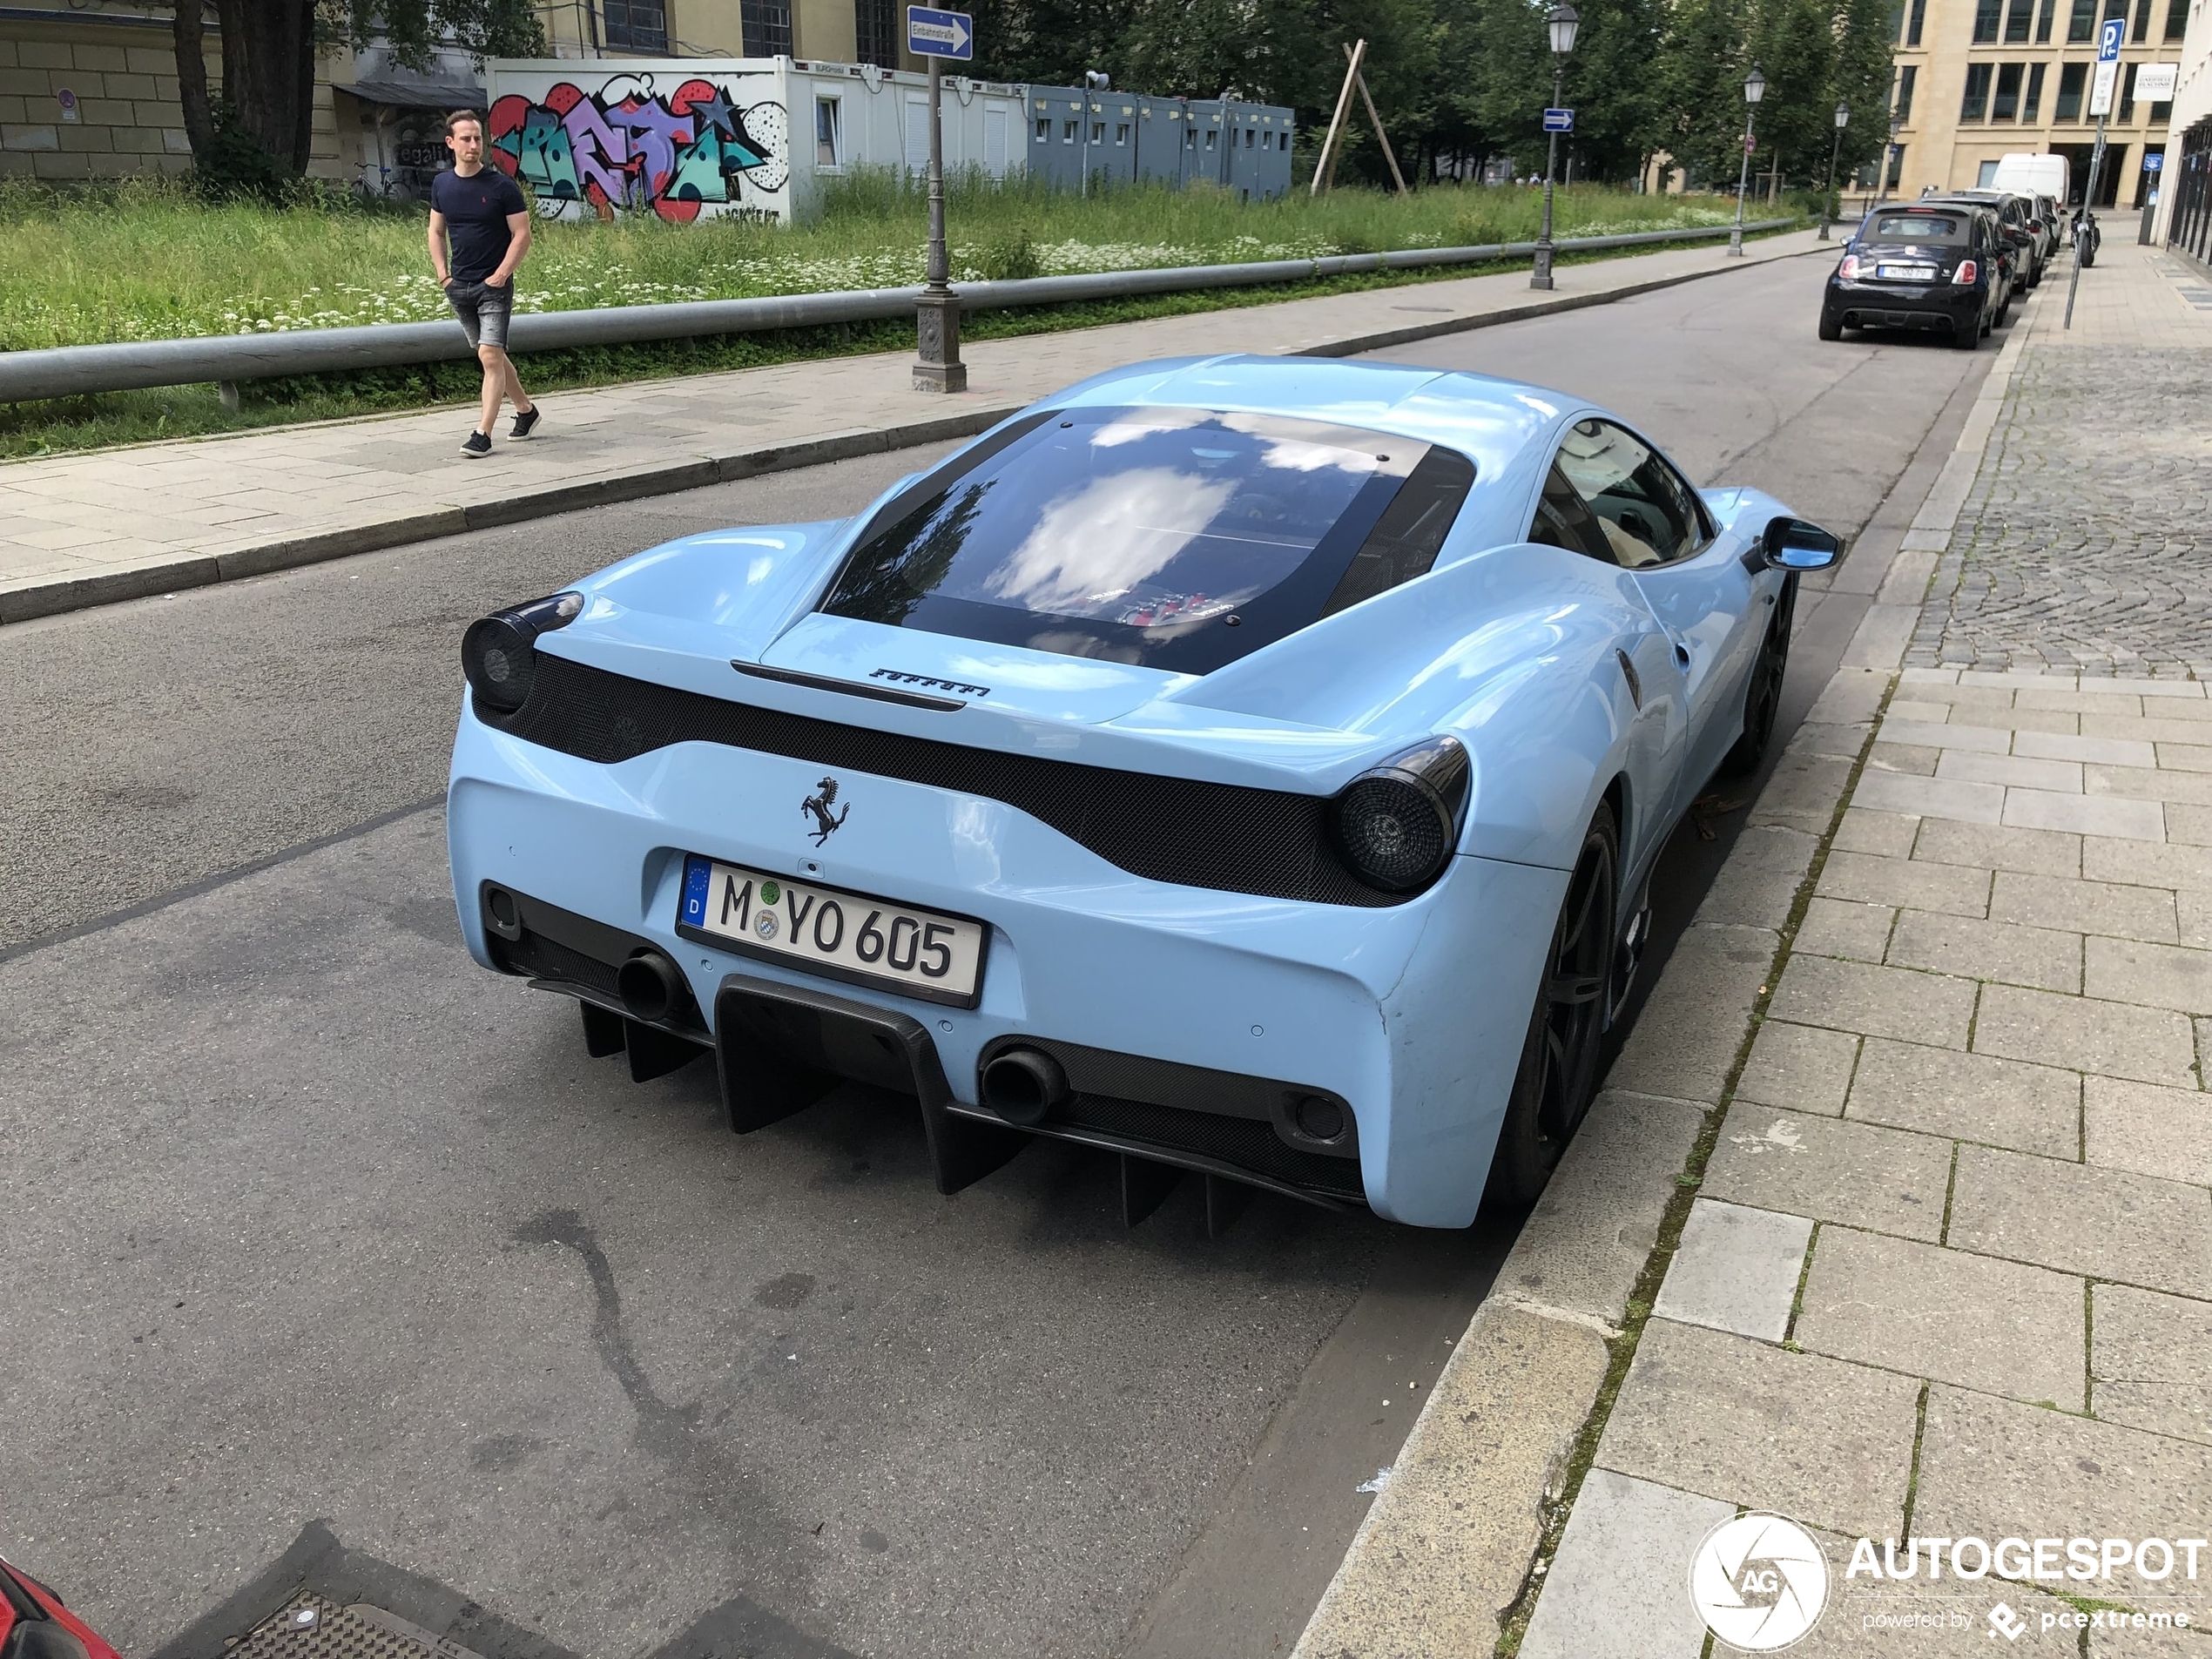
x: 478, y: 209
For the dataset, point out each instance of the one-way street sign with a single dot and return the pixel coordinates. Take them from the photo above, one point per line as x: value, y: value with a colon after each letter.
x: 1559, y: 120
x: 932, y: 33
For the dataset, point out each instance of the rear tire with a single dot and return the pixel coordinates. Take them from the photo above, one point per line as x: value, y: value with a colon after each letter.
x: 1967, y: 336
x: 1559, y: 1056
x: 1830, y: 329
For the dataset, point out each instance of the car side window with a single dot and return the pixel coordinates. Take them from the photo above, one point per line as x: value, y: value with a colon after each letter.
x: 1562, y: 521
x: 1644, y: 510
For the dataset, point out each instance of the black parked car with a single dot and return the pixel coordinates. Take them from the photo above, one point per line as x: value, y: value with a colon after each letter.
x: 1922, y: 265
x: 2023, y: 236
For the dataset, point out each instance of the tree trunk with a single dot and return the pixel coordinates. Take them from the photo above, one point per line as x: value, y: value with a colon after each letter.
x: 192, y: 75
x: 269, y: 74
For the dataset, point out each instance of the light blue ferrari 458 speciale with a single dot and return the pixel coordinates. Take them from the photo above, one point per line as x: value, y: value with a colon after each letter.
x: 1250, y: 766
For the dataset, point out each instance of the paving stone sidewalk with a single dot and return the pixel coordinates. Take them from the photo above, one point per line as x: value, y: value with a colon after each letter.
x: 1948, y: 1271
x: 77, y: 529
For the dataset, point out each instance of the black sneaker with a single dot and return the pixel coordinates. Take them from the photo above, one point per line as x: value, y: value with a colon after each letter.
x: 525, y: 423
x: 478, y: 446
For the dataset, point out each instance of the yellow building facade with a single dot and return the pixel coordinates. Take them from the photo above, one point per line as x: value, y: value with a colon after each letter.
x: 840, y: 31
x: 1979, y: 79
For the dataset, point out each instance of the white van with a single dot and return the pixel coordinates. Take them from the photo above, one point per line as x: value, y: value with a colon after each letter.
x: 2031, y: 175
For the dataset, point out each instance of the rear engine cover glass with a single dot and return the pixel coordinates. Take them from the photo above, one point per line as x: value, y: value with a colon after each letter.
x: 1178, y: 538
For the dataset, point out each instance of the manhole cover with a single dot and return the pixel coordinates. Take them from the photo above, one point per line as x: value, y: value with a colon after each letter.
x: 313, y: 1627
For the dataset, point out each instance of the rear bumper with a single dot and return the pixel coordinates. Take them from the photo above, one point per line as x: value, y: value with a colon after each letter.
x: 1411, y: 1016
x: 1942, y: 307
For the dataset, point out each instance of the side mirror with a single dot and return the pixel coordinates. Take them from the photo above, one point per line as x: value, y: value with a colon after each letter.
x: 1793, y: 545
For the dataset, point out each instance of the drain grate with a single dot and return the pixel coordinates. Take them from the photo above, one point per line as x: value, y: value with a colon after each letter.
x: 313, y: 1627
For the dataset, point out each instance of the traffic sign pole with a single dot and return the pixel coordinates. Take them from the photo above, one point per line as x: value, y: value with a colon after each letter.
x: 2108, y: 37
x: 938, y: 368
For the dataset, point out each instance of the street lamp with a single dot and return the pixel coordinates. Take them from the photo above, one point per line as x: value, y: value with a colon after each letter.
x: 1754, y: 90
x: 1563, y: 20
x: 1094, y: 80
x: 1843, y: 120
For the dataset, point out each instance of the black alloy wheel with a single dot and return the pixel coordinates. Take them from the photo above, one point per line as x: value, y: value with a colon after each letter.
x: 1762, y: 700
x: 1559, y: 1058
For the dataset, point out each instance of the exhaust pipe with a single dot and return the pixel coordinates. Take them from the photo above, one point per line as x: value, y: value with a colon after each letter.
x: 650, y: 987
x: 1024, y: 1085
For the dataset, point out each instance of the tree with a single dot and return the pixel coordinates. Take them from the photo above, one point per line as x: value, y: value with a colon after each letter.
x: 257, y: 130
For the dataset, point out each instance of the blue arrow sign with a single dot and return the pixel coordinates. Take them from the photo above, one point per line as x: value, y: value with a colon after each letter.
x: 1559, y: 120
x: 932, y: 33
x: 2109, y: 40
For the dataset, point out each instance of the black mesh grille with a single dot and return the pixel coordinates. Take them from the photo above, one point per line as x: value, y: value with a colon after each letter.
x: 1240, y: 1141
x: 1268, y: 842
x: 543, y: 958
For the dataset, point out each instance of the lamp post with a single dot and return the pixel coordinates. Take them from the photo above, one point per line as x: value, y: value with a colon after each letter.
x: 1094, y: 80
x: 938, y: 368
x: 1563, y: 21
x: 1882, y: 164
x: 1754, y: 90
x: 1843, y: 120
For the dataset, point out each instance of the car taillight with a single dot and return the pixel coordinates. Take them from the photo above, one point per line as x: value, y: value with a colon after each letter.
x: 1849, y: 269
x: 498, y: 653
x: 1398, y: 825
x: 1967, y: 271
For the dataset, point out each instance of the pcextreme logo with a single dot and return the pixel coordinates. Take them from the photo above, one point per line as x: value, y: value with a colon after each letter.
x: 1760, y: 1582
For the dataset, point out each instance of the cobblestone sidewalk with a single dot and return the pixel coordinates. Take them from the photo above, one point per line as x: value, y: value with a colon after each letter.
x: 2090, y: 550
x: 1943, y: 1264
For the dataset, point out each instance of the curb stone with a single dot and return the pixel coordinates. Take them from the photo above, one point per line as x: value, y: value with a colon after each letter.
x: 55, y: 596
x: 1402, y: 1592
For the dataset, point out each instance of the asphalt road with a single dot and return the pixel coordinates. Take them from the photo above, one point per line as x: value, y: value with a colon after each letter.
x: 310, y: 1218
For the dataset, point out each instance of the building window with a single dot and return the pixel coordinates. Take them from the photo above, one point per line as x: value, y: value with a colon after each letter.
x: 2177, y: 19
x: 2081, y: 22
x: 1044, y: 129
x: 2006, y: 106
x: 1067, y: 132
x: 2126, y: 95
x: 1896, y: 166
x: 637, y: 25
x: 2142, y: 22
x: 1248, y: 137
x: 1919, y: 20
x: 1121, y: 133
x: 1905, y: 76
x: 2019, y: 16
x: 1975, y: 105
x: 2115, y: 9
x: 2072, y: 78
x: 765, y: 25
x: 1189, y: 138
x: 1098, y: 133
x: 2033, y: 105
x: 2043, y: 20
x: 875, y: 33
x: 826, y: 147
x: 1985, y: 15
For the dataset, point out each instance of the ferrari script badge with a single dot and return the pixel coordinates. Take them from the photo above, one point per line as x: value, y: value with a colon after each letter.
x: 818, y: 805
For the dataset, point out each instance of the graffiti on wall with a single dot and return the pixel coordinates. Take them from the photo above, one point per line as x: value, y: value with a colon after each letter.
x: 627, y: 146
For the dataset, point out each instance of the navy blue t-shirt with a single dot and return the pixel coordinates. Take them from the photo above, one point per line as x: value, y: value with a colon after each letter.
x: 476, y: 209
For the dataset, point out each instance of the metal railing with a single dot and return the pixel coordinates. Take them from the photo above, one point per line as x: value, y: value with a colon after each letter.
x: 75, y: 371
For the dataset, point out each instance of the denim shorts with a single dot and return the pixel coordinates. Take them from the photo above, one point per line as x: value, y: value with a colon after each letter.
x: 483, y: 311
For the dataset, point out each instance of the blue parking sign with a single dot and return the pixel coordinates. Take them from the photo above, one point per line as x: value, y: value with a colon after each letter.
x: 932, y: 33
x: 2109, y: 40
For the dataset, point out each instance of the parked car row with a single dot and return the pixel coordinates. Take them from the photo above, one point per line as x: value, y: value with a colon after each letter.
x: 1951, y: 263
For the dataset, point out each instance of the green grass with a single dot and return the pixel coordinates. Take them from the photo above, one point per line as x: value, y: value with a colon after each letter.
x: 149, y: 260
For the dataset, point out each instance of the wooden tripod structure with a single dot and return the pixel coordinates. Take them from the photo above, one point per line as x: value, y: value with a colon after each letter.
x: 1325, y: 165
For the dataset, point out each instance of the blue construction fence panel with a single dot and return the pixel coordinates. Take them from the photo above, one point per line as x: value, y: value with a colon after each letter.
x: 1117, y: 138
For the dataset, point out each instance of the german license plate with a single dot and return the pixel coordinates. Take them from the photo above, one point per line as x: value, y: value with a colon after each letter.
x: 827, y: 930
x: 1906, y: 272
